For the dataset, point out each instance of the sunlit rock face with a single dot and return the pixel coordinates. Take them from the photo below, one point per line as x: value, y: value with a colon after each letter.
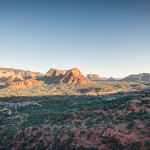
x: 73, y: 76
x: 55, y: 72
x: 14, y: 75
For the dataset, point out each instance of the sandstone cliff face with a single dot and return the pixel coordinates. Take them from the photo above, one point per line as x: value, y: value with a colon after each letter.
x: 73, y: 76
x: 24, y: 84
x: 14, y: 75
x: 93, y: 77
x: 55, y: 72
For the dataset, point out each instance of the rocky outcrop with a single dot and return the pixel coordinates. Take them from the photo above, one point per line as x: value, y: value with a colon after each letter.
x: 24, y: 84
x: 15, y: 75
x: 93, y: 77
x: 55, y: 72
x: 144, y: 77
x: 73, y: 76
x: 121, y: 138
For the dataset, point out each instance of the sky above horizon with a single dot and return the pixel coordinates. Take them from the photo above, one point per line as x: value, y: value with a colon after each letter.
x: 107, y: 37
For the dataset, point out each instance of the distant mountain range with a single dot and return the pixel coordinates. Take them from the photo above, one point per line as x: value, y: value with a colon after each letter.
x: 95, y: 77
x: 143, y: 77
x: 16, y: 78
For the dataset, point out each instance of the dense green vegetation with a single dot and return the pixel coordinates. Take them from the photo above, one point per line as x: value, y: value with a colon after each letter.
x: 73, y: 116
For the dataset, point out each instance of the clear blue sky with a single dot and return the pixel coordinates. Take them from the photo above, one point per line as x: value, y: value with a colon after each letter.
x: 108, y: 37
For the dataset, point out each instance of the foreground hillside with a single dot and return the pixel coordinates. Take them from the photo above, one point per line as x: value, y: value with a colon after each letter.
x: 119, y: 121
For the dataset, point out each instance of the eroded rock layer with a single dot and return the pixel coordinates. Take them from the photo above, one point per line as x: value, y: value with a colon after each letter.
x: 24, y: 84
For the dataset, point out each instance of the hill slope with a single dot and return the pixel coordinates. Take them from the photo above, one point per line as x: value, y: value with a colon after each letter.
x: 145, y: 77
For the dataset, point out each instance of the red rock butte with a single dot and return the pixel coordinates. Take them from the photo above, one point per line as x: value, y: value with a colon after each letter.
x: 93, y: 77
x: 73, y: 76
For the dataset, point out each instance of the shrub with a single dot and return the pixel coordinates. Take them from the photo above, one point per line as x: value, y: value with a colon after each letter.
x: 81, y: 147
x: 147, y: 143
x: 77, y: 124
x: 130, y: 125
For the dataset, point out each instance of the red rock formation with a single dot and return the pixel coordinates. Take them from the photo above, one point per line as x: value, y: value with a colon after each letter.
x: 14, y: 75
x: 55, y: 72
x: 121, y: 138
x: 93, y: 77
x: 24, y: 84
x: 73, y: 76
